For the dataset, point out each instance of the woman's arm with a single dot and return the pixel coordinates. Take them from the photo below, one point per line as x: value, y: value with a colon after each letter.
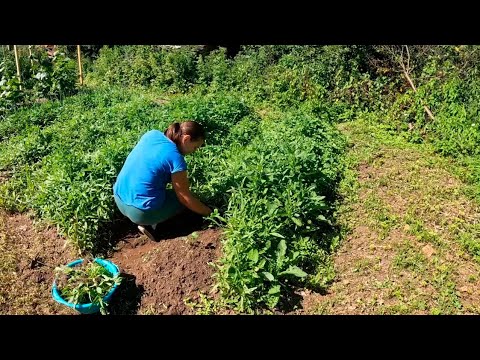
x: 182, y: 189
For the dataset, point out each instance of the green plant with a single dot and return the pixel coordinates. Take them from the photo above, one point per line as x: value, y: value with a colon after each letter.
x: 85, y: 283
x: 42, y: 77
x: 10, y: 93
x: 53, y: 77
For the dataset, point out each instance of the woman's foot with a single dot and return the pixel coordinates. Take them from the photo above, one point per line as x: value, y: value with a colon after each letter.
x: 147, y: 230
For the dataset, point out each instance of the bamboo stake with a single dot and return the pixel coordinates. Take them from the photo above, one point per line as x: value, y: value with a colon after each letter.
x: 18, y: 64
x: 80, y: 65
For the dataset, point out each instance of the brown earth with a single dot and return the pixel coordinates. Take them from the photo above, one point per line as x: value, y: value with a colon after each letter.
x: 157, y: 276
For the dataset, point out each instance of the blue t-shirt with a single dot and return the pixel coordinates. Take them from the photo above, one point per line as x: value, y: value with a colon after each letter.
x: 147, y: 170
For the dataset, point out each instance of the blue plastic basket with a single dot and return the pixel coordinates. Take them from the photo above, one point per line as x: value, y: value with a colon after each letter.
x: 87, y: 308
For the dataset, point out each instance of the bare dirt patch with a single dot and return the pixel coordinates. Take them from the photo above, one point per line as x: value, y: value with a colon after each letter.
x: 157, y: 276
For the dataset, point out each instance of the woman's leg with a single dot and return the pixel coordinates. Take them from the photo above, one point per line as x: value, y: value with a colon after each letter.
x: 170, y: 208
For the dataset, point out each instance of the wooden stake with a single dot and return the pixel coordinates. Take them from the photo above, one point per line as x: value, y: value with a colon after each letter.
x: 80, y: 65
x: 18, y: 64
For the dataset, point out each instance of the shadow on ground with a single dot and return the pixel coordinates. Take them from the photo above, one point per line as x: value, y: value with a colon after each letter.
x: 126, y: 300
x: 182, y: 224
x: 328, y: 240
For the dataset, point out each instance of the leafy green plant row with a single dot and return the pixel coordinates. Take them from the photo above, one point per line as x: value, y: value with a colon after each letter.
x: 65, y: 171
x: 278, y: 192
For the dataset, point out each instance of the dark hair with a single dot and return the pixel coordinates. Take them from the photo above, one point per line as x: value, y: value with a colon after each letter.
x: 192, y: 128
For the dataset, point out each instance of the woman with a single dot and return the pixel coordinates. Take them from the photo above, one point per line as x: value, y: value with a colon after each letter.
x: 140, y: 190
